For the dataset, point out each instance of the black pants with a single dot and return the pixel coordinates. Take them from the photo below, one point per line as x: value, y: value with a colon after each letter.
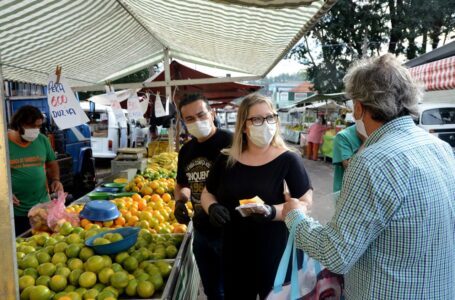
x: 22, y: 224
x: 207, y: 252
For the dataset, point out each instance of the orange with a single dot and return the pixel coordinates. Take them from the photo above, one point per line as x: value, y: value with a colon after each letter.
x: 133, y: 220
x: 154, y: 184
x: 160, y: 190
x: 166, y: 197
x: 88, y: 226
x: 155, y: 197
x: 146, y: 190
x: 179, y: 228
x: 121, y: 180
x: 99, y: 223
x: 142, y: 204
x: 108, y: 223
x: 133, y: 211
x: 120, y: 221
x: 136, y: 197
x: 84, y: 222
x: 127, y: 215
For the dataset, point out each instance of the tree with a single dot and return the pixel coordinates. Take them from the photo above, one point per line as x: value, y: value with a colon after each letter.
x: 354, y: 29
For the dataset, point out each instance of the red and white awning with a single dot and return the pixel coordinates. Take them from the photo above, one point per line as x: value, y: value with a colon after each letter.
x: 437, y: 75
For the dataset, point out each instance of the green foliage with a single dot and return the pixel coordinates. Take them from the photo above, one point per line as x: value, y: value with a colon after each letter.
x: 354, y: 29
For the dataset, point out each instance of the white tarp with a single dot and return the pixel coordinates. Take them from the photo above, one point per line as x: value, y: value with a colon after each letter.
x: 329, y: 106
x: 106, y: 99
x: 101, y: 40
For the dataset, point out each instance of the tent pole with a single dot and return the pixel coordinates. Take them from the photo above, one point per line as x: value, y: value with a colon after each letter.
x: 167, y: 80
x: 8, y: 264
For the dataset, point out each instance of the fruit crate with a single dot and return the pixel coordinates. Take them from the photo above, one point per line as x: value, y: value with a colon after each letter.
x: 119, y: 165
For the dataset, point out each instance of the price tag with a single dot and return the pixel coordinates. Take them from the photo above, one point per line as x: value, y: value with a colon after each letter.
x: 159, y: 109
x: 116, y: 107
x: 134, y: 107
x: 64, y: 108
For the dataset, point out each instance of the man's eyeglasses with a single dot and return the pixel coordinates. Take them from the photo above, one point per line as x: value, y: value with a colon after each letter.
x: 258, y: 121
x: 203, y: 115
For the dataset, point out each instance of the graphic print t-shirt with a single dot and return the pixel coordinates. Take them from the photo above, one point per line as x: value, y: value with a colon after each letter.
x: 194, y: 163
x: 28, y: 174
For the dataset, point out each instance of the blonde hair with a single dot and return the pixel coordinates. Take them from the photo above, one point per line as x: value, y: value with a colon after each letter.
x: 239, y: 143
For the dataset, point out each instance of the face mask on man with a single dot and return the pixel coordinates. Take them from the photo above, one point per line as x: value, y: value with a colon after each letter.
x: 30, y: 134
x: 360, y: 125
x: 262, y: 135
x: 200, y: 129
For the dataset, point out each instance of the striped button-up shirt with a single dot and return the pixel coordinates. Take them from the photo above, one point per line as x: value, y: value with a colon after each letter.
x: 393, y: 232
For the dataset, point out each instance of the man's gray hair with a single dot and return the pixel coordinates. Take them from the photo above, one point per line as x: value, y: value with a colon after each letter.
x: 384, y: 87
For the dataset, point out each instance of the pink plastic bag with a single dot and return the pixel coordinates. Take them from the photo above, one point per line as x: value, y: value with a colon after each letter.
x: 57, y: 215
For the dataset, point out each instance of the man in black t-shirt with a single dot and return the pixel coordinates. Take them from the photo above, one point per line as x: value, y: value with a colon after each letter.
x: 195, y: 160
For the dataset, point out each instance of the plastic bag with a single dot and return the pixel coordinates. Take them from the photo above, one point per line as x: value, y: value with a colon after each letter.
x: 308, y: 282
x: 37, y: 216
x: 57, y: 215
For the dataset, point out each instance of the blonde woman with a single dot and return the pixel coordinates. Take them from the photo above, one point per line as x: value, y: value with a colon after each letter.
x: 257, y: 164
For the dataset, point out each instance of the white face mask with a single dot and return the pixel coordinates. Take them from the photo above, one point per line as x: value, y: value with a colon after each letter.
x: 262, y: 135
x: 360, y: 126
x: 30, y: 134
x: 200, y: 129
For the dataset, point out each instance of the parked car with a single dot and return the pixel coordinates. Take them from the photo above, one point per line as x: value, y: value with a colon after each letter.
x: 107, y: 135
x: 439, y: 120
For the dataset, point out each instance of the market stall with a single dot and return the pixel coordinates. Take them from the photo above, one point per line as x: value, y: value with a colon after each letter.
x: 139, y: 209
x: 150, y: 32
x: 299, y: 119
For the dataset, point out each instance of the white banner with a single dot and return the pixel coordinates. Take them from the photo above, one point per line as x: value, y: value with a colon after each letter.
x: 134, y: 107
x: 167, y: 106
x: 116, y: 107
x: 145, y: 103
x: 159, y: 109
x: 64, y: 108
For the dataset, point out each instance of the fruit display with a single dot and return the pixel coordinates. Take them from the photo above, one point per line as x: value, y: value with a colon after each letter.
x: 60, y: 266
x: 152, y: 212
x: 163, y: 165
x: 145, y: 186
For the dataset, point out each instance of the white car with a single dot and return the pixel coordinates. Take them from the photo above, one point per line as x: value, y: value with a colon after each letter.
x: 439, y: 120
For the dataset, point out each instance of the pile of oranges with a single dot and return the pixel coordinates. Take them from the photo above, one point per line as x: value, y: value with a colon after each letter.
x: 149, y: 187
x: 153, y: 210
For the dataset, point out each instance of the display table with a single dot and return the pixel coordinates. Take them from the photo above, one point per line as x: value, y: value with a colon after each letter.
x: 327, y: 145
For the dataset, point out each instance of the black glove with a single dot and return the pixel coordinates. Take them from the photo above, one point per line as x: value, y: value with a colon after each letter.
x: 218, y: 215
x: 260, y: 218
x: 181, y: 213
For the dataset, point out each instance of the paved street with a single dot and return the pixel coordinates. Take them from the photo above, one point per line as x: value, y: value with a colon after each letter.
x: 321, y: 175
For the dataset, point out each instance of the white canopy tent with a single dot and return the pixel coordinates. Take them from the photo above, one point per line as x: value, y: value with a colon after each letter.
x: 102, y: 40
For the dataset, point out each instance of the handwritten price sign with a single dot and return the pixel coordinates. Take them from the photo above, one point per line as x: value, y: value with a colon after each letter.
x: 134, y: 108
x: 116, y: 108
x: 64, y: 108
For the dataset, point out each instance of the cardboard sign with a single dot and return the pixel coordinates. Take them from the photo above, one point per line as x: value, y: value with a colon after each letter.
x: 159, y: 109
x: 134, y: 107
x: 64, y: 108
x: 116, y: 108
